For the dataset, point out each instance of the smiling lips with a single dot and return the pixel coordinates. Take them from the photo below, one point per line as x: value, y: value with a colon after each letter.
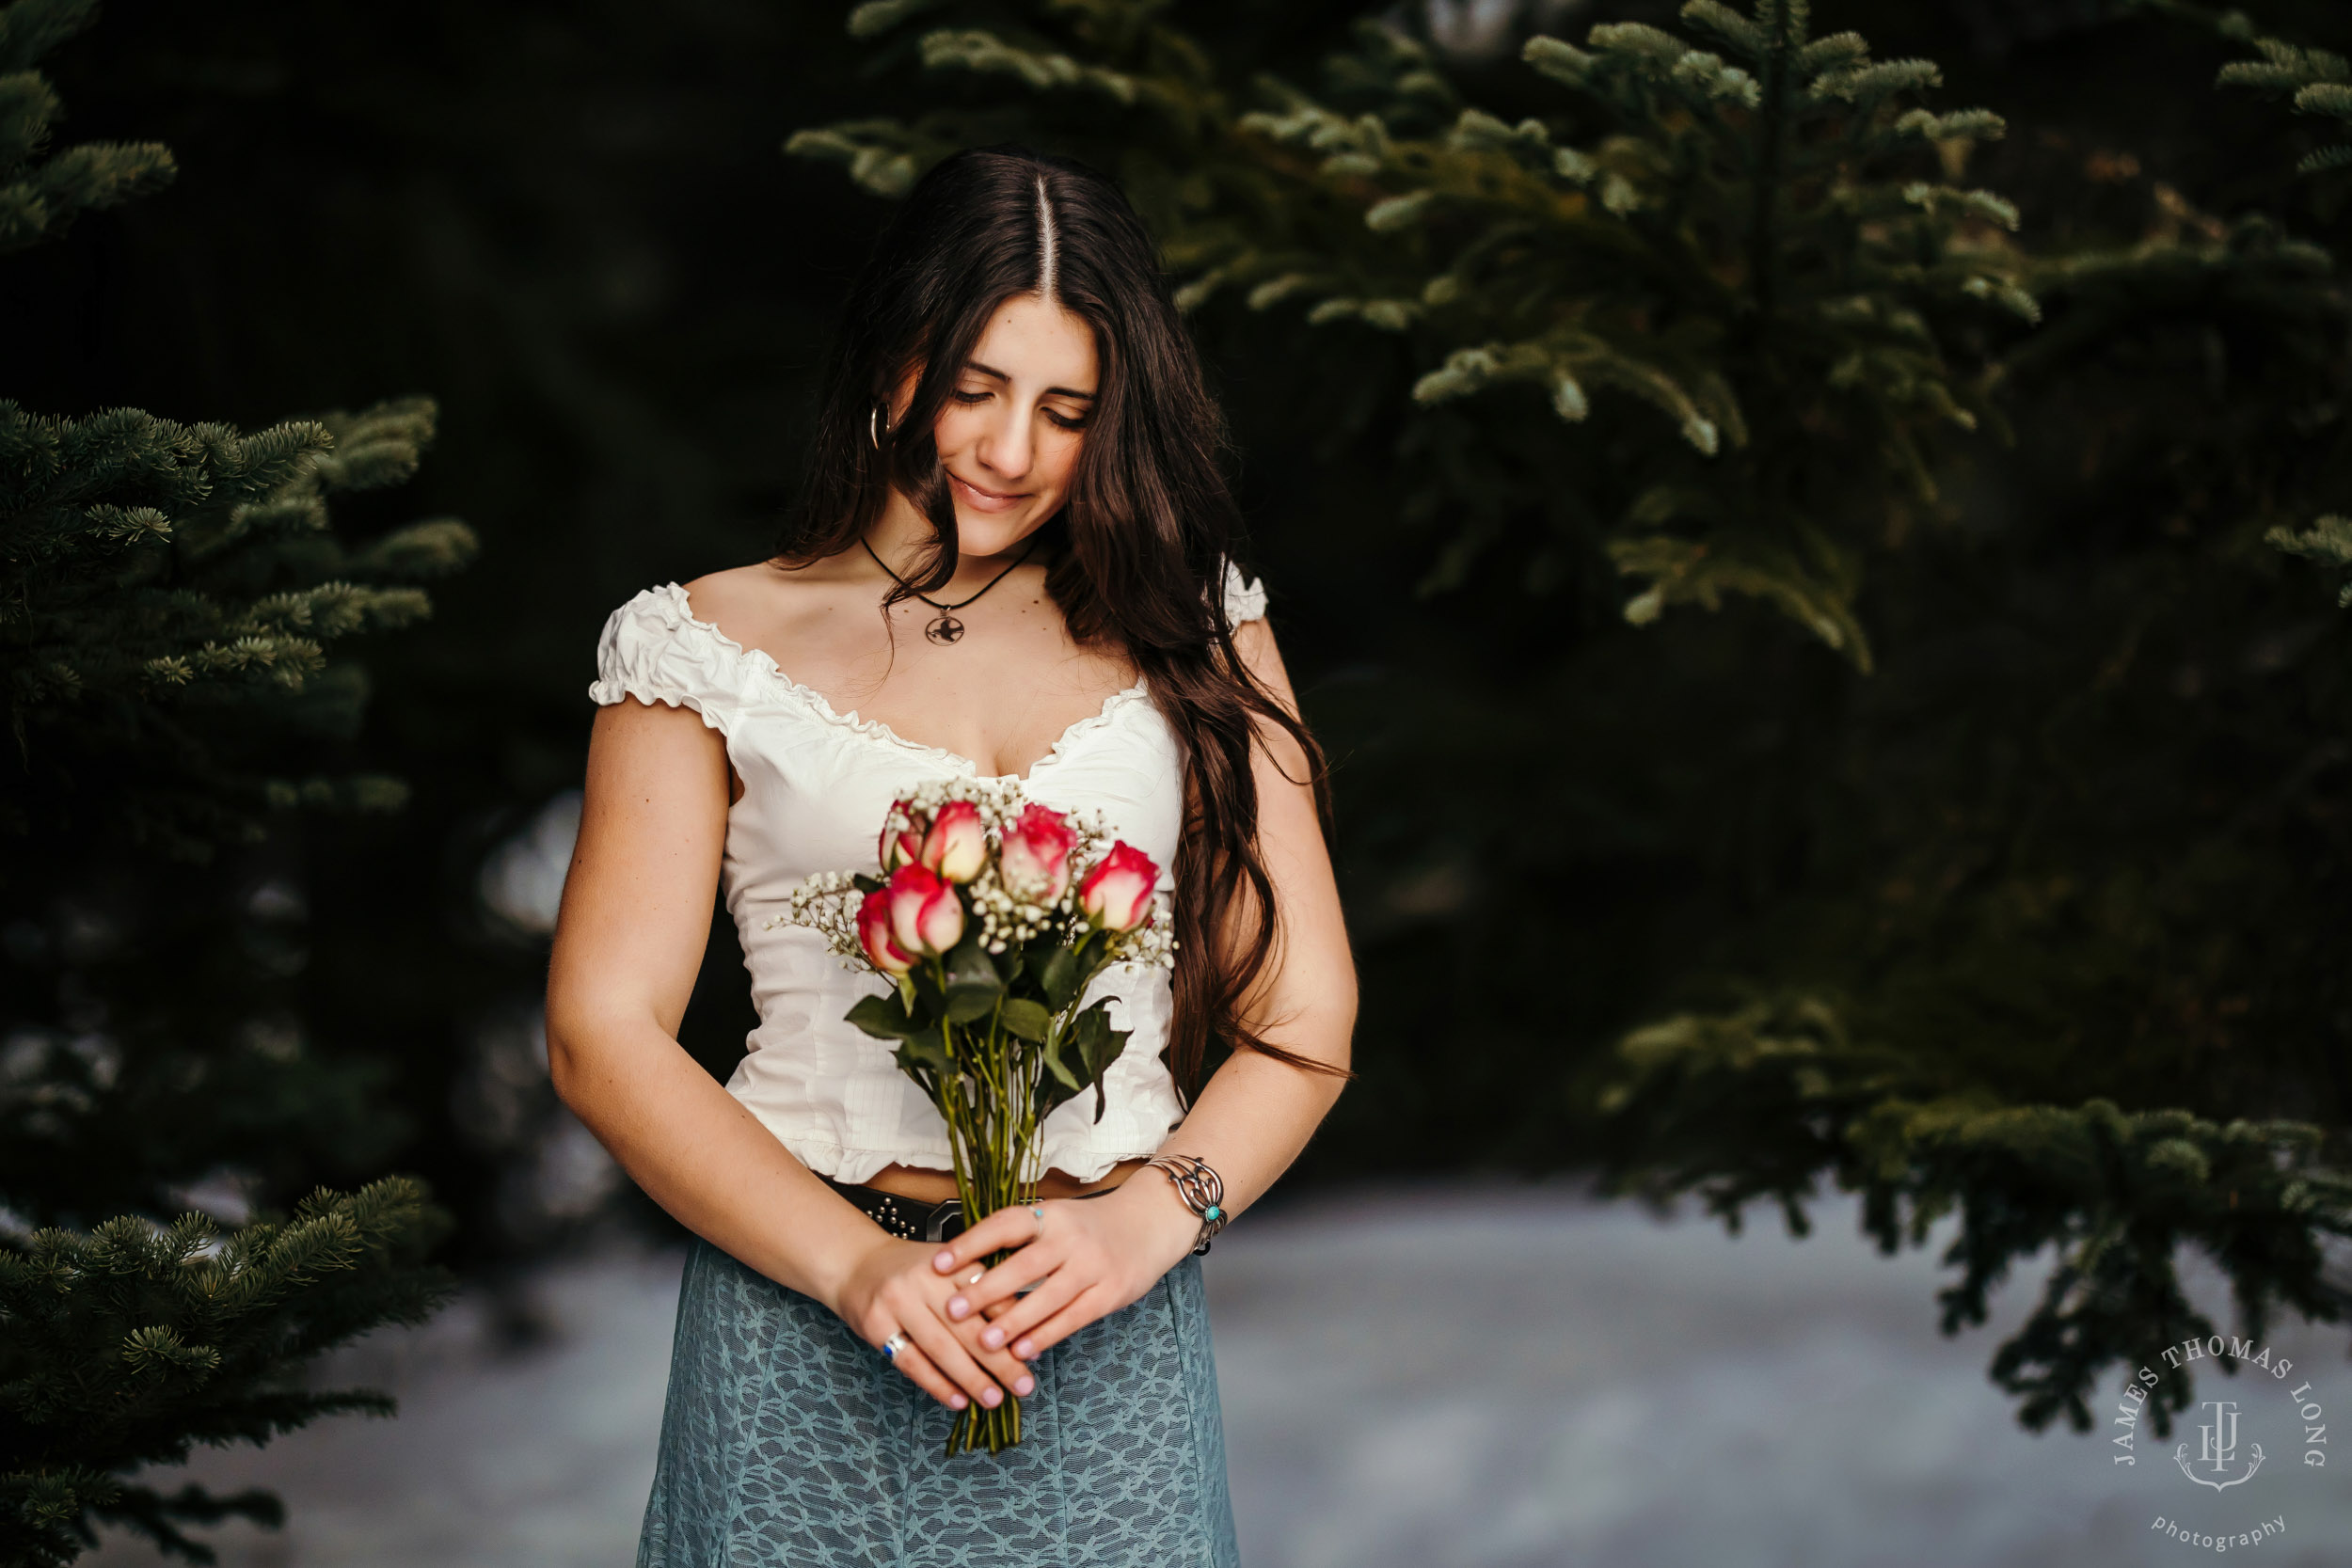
x: 982, y: 500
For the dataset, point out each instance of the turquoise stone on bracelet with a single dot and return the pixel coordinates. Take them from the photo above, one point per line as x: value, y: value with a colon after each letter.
x: 1213, y: 1213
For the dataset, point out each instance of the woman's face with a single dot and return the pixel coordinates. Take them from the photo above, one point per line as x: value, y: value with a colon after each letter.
x: 1009, y: 433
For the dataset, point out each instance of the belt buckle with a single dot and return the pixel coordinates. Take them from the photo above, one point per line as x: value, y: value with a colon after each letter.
x: 935, y: 1227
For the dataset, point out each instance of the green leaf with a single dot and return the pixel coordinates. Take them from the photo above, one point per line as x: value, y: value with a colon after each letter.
x: 1027, y: 1019
x: 927, y: 1049
x: 1102, y: 1051
x: 865, y: 884
x: 1060, y: 973
x: 974, y: 987
x: 929, y: 998
x: 882, y: 1017
x: 969, y: 1004
x: 1099, y: 1046
x: 1061, y: 1069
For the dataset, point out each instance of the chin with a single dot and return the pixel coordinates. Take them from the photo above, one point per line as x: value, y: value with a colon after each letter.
x: 993, y: 534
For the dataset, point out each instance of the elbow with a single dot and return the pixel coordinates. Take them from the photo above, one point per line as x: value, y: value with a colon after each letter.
x: 564, y: 1059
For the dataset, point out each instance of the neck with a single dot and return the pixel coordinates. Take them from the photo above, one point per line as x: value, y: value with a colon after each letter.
x: 901, y: 537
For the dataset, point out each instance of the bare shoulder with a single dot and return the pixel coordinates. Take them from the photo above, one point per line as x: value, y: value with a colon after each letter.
x: 1254, y: 642
x: 740, y: 594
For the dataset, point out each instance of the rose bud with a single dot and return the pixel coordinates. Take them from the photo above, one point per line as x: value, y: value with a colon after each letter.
x: 1035, y: 862
x: 901, y: 846
x: 926, y: 916
x: 1117, y: 893
x: 873, y: 934
x: 955, y: 846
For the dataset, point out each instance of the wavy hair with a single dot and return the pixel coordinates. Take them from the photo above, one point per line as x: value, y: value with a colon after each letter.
x: 1137, y: 550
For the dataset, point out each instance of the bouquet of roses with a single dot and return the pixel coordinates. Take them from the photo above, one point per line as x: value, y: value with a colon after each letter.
x: 992, y: 915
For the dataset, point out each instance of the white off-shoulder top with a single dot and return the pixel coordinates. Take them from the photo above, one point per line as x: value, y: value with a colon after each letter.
x: 817, y: 785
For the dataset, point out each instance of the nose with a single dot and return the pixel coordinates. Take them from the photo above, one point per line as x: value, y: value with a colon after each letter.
x: 1004, y: 447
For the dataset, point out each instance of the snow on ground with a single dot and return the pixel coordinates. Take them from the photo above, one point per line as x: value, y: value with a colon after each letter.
x: 1413, y: 1377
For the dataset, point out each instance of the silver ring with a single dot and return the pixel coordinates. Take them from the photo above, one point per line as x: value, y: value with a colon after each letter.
x: 892, y: 1346
x: 976, y: 1277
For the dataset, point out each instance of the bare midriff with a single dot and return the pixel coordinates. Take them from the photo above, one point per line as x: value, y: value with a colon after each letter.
x: 925, y: 1184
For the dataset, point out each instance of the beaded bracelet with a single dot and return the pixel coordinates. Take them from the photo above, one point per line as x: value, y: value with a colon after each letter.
x: 1200, y: 1187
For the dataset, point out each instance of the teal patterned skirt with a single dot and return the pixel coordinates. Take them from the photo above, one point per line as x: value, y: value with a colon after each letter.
x: 788, y: 1442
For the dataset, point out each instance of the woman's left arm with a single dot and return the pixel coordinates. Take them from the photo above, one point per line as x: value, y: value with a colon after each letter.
x: 1090, y: 1257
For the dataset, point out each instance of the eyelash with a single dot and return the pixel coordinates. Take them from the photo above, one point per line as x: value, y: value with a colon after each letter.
x: 983, y: 397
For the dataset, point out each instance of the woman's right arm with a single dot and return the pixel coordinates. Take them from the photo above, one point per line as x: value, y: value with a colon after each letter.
x: 629, y: 937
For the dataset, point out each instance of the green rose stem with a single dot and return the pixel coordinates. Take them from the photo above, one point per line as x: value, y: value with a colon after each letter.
x: 991, y: 1111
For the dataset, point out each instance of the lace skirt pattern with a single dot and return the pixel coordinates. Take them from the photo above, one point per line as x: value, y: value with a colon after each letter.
x: 788, y: 1442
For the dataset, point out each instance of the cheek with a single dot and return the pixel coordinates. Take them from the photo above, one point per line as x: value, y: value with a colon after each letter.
x: 955, y: 429
x: 1058, y: 457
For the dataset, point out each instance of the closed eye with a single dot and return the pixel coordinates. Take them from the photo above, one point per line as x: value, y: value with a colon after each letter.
x: 1061, y: 420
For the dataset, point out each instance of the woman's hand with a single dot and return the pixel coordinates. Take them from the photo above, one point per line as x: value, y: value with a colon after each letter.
x: 894, y: 1288
x: 1087, y: 1258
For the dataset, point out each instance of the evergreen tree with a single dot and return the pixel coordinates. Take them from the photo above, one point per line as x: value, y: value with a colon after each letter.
x: 2318, y: 82
x: 1991, y: 915
x: 167, y: 596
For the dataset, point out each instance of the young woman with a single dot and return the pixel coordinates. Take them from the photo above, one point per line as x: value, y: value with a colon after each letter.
x: 1010, y: 560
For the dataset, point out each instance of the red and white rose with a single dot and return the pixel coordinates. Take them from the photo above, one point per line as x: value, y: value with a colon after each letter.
x: 874, y: 936
x: 1034, y: 864
x: 926, y: 916
x: 955, y: 846
x: 1117, y: 893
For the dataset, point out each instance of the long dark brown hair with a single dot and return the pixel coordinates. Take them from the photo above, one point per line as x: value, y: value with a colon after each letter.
x: 1138, y: 551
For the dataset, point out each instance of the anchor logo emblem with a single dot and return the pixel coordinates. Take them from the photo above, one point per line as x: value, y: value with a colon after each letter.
x: 2219, y: 1450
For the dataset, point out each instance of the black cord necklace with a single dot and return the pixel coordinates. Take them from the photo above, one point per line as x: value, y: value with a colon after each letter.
x: 945, y: 628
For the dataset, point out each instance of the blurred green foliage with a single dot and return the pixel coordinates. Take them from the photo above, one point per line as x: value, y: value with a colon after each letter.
x: 2038, y: 918
x: 2025, y: 914
x: 168, y: 592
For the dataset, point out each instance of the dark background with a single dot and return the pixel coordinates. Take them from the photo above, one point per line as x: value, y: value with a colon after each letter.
x: 574, y: 227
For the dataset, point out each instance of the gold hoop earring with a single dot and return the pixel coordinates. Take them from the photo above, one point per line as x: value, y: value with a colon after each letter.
x: 873, y: 419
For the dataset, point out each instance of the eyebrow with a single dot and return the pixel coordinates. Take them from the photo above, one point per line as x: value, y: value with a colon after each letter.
x: 1050, y: 391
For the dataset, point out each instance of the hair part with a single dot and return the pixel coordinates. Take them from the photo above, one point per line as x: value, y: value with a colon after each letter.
x: 1139, y: 549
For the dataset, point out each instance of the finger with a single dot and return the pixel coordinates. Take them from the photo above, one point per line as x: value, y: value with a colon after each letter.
x: 981, y: 1286
x: 1031, y: 1310
x: 912, y: 1361
x: 949, y: 1354
x: 1090, y: 1304
x: 999, y: 1363
x: 1013, y: 1227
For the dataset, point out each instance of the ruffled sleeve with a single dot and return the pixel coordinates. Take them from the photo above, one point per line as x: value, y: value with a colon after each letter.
x: 1244, y: 597
x: 653, y: 650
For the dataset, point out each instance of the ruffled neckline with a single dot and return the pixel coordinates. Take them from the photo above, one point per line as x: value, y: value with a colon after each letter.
x: 758, y: 660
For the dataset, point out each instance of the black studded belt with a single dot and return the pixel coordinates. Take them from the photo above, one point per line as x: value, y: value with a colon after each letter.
x: 910, y: 1217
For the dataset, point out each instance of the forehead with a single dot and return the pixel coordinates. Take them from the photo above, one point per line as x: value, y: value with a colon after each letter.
x: 1031, y: 339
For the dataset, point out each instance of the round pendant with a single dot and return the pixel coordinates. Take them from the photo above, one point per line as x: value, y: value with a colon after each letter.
x: 945, y: 631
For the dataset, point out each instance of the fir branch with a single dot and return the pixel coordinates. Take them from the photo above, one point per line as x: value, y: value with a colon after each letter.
x: 40, y: 197
x: 2328, y: 541
x: 127, y: 1346
x: 2115, y: 1192
x: 185, y: 580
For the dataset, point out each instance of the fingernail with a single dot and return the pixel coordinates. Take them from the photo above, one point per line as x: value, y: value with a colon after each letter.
x: 993, y: 1398
x: 1026, y: 1349
x: 958, y: 1306
x: 957, y: 1402
x: 1025, y: 1385
x: 943, y: 1262
x: 993, y: 1337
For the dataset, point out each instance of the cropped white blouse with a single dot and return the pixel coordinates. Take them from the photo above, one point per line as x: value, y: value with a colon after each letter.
x: 816, y: 786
